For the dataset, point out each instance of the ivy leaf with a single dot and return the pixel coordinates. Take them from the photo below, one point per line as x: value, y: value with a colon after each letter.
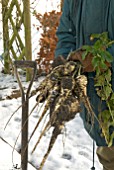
x: 98, y: 44
x: 105, y: 116
x: 110, y: 43
x: 103, y: 65
x: 100, y: 93
x: 108, y: 75
x: 100, y: 80
x: 87, y: 48
x: 84, y: 55
x: 95, y: 61
x: 102, y: 54
x: 104, y: 37
x: 112, y: 96
x: 98, y: 71
x: 101, y: 59
x: 108, y: 57
x: 93, y: 36
x: 107, y: 91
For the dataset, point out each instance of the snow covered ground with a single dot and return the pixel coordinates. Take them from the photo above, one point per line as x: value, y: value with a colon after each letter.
x: 73, y: 152
x: 6, y: 159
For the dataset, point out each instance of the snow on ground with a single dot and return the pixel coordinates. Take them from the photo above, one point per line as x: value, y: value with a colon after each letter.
x: 6, y: 159
x: 76, y: 153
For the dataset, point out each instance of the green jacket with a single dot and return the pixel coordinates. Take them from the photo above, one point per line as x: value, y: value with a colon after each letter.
x: 75, y: 28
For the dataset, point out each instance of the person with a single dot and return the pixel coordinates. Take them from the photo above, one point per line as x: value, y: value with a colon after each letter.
x: 80, y: 19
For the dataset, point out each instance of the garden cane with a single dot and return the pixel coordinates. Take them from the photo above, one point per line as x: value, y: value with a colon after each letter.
x: 25, y: 106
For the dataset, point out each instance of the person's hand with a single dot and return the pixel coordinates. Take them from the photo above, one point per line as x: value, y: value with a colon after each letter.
x: 60, y: 60
x: 86, y: 63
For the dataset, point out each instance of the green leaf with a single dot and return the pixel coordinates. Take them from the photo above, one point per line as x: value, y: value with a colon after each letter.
x: 110, y: 43
x: 108, y: 91
x: 103, y: 65
x: 95, y: 36
x: 87, y: 48
x: 107, y: 75
x: 108, y: 57
x: 95, y: 61
x: 102, y: 54
x: 84, y: 55
x: 98, y: 71
x: 104, y: 37
x: 112, y: 96
x: 105, y: 115
x: 98, y: 44
x: 103, y: 80
x: 100, y: 80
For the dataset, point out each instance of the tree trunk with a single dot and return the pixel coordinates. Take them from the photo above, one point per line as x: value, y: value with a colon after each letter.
x: 5, y: 37
x: 28, y: 44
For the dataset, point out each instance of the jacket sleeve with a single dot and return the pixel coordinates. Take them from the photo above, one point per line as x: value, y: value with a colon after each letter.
x: 66, y: 33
